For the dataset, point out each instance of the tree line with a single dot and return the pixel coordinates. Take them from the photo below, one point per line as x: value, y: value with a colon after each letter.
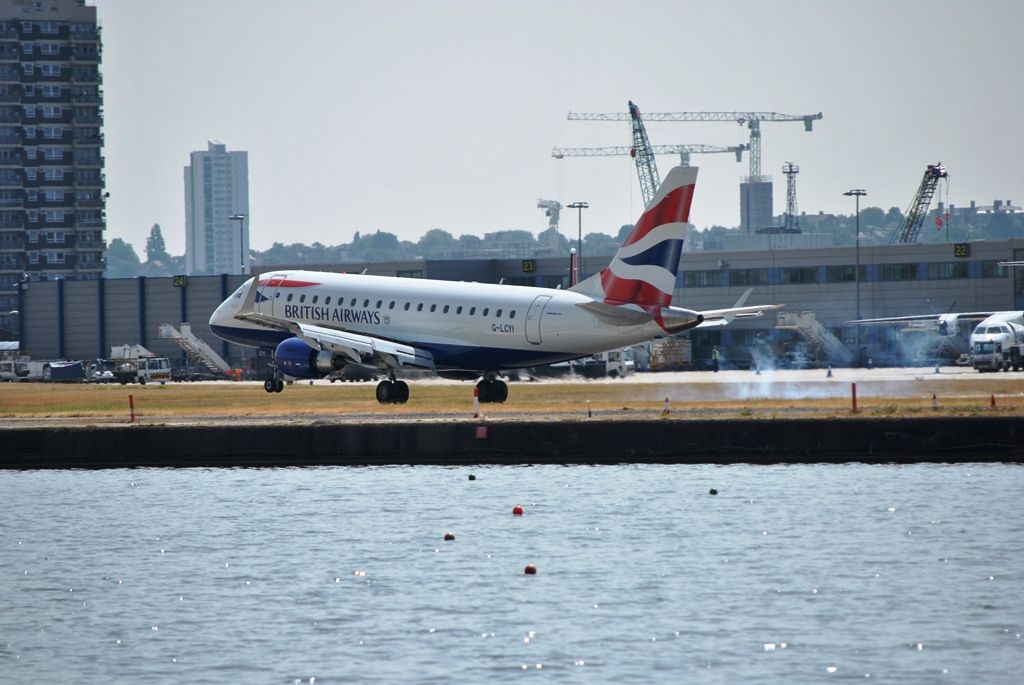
x: 876, y: 228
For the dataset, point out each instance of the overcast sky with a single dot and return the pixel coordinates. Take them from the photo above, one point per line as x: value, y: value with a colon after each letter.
x: 407, y: 116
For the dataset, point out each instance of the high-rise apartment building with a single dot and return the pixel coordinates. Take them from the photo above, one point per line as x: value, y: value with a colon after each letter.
x: 51, y: 163
x: 217, y: 211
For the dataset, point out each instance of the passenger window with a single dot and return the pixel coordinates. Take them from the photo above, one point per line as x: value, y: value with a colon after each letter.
x: 352, y: 303
x: 392, y: 305
x: 512, y: 314
x: 328, y: 300
x: 446, y: 309
x: 498, y: 314
x: 302, y: 298
x: 419, y: 307
x: 315, y: 298
x: 472, y: 311
x: 290, y: 296
x: 379, y: 303
x: 486, y: 309
x: 459, y: 310
x: 433, y: 308
x: 366, y: 303
x: 406, y: 306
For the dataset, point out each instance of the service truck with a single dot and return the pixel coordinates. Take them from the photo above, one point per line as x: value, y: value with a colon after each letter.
x: 611, y: 364
x: 997, y: 346
x: 142, y: 370
x: 136, y: 364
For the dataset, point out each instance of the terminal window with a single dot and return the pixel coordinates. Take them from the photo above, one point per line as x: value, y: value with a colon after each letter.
x: 897, y: 272
x: 944, y: 270
x: 800, y: 274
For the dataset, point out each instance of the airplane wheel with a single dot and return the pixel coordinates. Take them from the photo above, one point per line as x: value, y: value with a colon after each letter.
x: 278, y: 385
x: 500, y: 391
x: 385, y: 392
x: 484, y: 391
x: 401, y: 392
x: 269, y: 385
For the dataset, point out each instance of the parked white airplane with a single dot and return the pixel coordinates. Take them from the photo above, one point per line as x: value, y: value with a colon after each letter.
x: 318, y: 322
x: 997, y: 342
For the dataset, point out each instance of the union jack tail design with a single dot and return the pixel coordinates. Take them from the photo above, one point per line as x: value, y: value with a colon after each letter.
x: 643, y: 271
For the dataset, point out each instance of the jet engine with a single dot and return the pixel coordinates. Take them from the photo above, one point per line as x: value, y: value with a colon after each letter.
x: 298, y: 360
x: 948, y: 324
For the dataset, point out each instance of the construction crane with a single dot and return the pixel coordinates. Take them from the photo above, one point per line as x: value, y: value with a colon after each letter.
x: 913, y: 218
x: 751, y: 120
x: 551, y: 208
x: 643, y: 155
x: 792, y: 221
x: 684, y: 151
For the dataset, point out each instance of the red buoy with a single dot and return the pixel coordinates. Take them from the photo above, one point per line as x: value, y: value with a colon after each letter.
x: 530, y: 570
x: 449, y: 536
x: 517, y: 510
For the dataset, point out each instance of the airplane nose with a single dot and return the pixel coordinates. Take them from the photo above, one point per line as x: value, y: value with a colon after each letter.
x: 217, y: 315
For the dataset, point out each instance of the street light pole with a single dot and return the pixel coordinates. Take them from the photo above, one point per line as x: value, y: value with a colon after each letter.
x: 240, y: 218
x: 579, y: 206
x: 857, y: 194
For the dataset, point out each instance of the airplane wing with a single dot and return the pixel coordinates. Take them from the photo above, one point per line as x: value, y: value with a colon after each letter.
x: 355, y: 346
x: 723, y: 317
x: 924, y: 317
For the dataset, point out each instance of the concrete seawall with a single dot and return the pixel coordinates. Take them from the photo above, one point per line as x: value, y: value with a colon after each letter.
x: 946, y: 439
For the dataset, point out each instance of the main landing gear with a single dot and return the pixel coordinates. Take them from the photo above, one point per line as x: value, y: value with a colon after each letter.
x: 392, y: 392
x: 492, y: 389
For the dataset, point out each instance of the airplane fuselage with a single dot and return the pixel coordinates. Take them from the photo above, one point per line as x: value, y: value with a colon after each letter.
x: 473, y: 326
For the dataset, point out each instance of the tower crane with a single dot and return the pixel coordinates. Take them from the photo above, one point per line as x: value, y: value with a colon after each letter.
x: 751, y: 120
x: 792, y: 220
x: 684, y: 151
x: 913, y: 219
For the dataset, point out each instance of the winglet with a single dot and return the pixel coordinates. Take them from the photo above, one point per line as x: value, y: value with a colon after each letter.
x: 743, y: 298
x: 248, y: 305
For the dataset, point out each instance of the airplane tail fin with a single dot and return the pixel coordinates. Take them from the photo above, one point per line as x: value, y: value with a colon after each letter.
x: 643, y: 271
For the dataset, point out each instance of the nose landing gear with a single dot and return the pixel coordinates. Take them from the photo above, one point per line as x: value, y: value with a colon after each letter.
x: 274, y: 382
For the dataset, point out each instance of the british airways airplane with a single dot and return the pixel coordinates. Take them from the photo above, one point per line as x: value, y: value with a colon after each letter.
x: 316, y: 323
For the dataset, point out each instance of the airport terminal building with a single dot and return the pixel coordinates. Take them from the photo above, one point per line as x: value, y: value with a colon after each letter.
x: 818, y: 288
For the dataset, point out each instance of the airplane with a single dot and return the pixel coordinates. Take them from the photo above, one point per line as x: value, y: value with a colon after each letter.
x: 997, y: 342
x: 317, y: 323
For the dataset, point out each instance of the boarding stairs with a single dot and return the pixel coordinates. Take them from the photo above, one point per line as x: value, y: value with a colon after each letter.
x: 195, y: 347
x: 824, y: 346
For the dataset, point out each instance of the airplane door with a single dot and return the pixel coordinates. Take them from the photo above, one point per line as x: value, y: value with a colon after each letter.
x: 275, y: 294
x: 533, y: 315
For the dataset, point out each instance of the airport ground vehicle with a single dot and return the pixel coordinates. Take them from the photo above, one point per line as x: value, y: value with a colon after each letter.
x: 142, y: 370
x: 12, y: 370
x: 611, y: 364
x: 991, y: 355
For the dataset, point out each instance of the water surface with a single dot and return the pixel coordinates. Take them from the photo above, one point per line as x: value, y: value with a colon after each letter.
x: 336, y: 575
